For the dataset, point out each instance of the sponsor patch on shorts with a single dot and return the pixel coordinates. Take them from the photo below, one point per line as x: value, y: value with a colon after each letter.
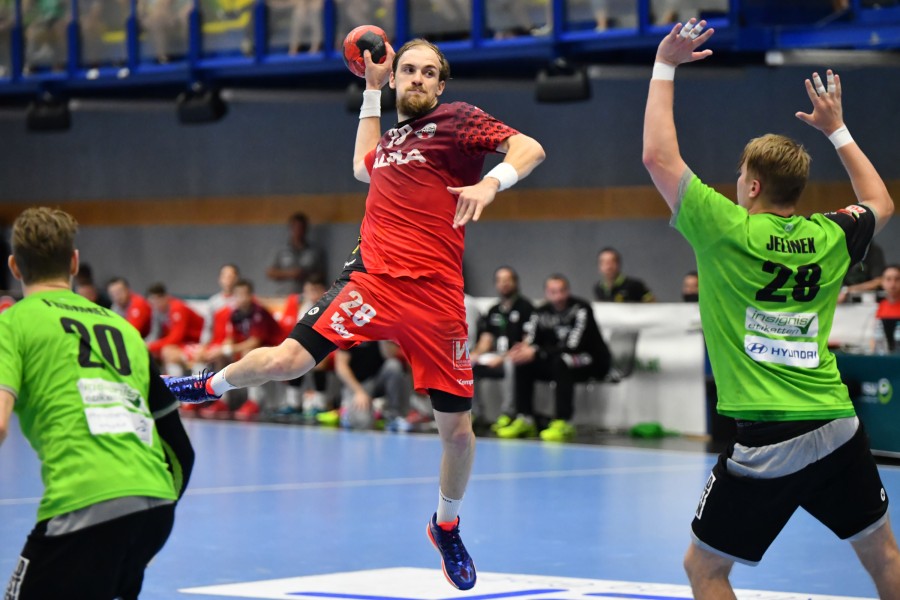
x: 460, y: 354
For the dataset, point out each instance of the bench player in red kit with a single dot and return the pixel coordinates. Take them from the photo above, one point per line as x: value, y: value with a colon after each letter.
x: 403, y: 282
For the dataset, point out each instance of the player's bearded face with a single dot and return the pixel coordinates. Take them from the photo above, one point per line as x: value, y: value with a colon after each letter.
x: 415, y: 101
x: 417, y: 81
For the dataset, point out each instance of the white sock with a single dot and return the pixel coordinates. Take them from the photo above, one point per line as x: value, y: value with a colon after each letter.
x: 173, y: 369
x: 448, y: 509
x: 219, y: 384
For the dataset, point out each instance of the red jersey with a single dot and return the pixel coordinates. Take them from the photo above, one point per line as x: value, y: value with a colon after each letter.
x: 182, y: 326
x: 289, y: 314
x: 888, y: 310
x: 139, y: 313
x: 221, y: 325
x: 256, y: 323
x: 408, y: 230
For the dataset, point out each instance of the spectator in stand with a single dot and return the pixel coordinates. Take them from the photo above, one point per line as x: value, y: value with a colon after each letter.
x: 864, y: 276
x: 166, y: 23
x: 297, y: 261
x: 368, y: 371
x: 86, y: 288
x: 499, y: 330
x: 563, y: 345
x: 305, y: 15
x: 302, y: 394
x: 45, y: 33
x: 889, y: 308
x: 179, y: 327
x: 614, y: 286
x: 252, y: 326
x: 690, y: 287
x: 133, y: 307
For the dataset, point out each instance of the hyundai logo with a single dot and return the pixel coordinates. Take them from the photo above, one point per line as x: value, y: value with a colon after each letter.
x: 757, y: 348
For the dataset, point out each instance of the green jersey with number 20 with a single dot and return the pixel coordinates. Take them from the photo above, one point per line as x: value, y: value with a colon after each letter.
x: 80, y: 375
x: 769, y: 288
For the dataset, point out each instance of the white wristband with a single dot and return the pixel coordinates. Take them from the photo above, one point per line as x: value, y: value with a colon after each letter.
x: 840, y: 137
x: 663, y: 71
x: 371, y: 104
x: 219, y: 384
x: 506, y: 174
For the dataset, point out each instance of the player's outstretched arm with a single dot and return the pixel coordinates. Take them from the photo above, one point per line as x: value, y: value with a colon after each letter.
x: 6, y: 408
x: 828, y: 117
x: 369, y: 131
x: 661, y: 156
x: 523, y: 154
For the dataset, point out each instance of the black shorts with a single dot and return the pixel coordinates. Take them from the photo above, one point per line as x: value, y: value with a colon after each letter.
x: 100, y: 562
x: 739, y: 517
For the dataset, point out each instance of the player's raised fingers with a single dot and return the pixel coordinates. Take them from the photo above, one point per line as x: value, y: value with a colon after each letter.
x: 837, y: 86
x: 688, y: 27
x: 703, y: 37
x: 806, y: 118
x: 810, y: 91
x: 820, y: 87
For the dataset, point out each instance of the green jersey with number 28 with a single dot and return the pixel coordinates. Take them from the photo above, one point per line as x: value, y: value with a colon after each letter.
x: 769, y: 288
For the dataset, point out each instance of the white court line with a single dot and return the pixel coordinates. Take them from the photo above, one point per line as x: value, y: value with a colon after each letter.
x: 359, y: 483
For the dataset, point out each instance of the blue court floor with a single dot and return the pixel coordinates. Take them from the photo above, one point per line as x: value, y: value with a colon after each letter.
x: 272, y: 501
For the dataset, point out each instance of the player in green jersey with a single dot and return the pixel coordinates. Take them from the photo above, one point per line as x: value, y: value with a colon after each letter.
x: 771, y: 280
x: 114, y: 455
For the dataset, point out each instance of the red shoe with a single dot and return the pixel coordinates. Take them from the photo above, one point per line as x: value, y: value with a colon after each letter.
x: 217, y: 410
x: 248, y: 411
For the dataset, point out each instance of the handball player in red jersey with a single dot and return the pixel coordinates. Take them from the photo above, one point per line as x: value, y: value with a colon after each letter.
x: 403, y: 282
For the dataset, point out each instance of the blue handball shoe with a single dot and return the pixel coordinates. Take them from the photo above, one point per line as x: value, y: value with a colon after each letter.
x: 192, y: 389
x: 458, y: 566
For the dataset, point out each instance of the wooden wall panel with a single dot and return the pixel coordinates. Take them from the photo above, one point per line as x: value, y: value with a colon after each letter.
x: 635, y: 202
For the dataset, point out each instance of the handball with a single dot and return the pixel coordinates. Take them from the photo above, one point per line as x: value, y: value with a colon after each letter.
x: 364, y: 37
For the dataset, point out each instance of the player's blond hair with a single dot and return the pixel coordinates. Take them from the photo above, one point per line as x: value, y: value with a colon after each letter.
x: 781, y: 164
x: 43, y: 241
x: 444, y: 73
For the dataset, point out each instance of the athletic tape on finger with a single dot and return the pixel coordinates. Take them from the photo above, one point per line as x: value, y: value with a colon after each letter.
x: 686, y: 30
x: 817, y: 81
x: 832, y: 87
x: 696, y: 31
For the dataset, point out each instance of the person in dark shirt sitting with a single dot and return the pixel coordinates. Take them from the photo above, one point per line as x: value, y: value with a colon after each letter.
x: 614, y: 285
x: 501, y: 328
x: 563, y: 345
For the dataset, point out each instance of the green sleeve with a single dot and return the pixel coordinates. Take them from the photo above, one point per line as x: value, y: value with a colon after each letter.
x: 703, y: 215
x: 10, y: 358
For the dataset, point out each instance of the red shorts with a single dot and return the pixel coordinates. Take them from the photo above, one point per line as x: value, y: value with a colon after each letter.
x: 426, y: 318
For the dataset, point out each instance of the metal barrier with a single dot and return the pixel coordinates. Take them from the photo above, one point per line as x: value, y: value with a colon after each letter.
x: 104, y: 47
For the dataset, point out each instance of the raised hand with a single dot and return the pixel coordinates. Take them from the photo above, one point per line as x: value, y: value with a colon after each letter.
x: 828, y: 114
x: 680, y: 45
x: 377, y: 74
